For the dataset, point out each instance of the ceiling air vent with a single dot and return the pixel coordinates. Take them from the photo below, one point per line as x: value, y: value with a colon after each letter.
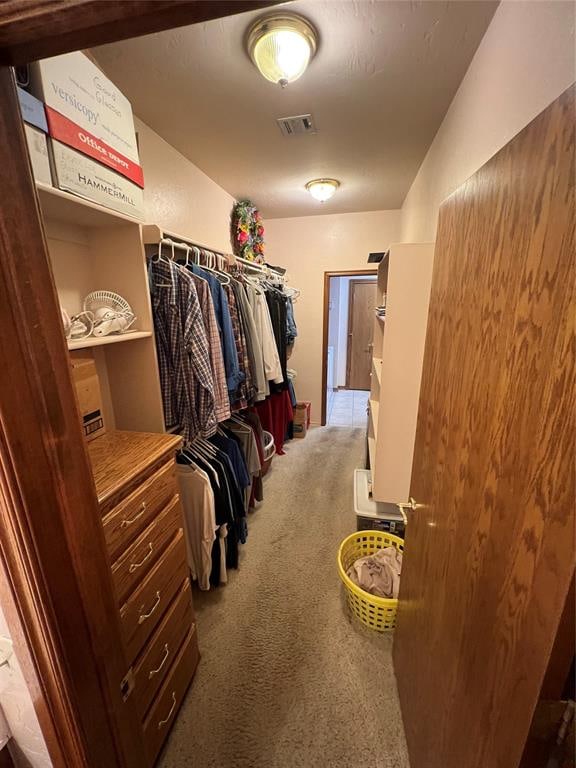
x: 295, y: 126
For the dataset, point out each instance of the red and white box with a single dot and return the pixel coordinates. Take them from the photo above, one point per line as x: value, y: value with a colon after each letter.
x: 93, y: 148
x: 73, y: 86
x: 65, y: 131
x: 75, y: 172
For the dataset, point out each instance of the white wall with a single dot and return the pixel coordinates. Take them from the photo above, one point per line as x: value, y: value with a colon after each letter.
x: 179, y: 196
x: 308, y: 246
x: 525, y: 61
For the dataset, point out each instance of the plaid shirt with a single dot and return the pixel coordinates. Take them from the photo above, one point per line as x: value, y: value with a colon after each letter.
x: 185, y: 374
x: 196, y: 345
x: 246, y: 391
x: 221, y: 400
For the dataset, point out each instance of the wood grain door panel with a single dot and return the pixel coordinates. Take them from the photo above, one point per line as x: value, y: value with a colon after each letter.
x: 490, y: 556
x: 362, y: 301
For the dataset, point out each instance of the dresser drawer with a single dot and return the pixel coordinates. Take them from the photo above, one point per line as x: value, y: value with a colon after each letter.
x: 129, y: 518
x: 138, y: 559
x: 156, y: 659
x: 143, y: 610
x: 166, y: 705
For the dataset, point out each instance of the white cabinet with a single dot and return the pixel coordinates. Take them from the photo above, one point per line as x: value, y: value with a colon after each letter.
x: 404, y: 279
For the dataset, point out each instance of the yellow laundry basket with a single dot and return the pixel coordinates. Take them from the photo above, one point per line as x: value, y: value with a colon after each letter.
x: 374, y: 612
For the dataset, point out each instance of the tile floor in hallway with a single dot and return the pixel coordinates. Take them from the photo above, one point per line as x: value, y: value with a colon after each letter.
x: 347, y: 408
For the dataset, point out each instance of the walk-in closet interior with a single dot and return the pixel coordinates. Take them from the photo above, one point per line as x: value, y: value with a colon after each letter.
x: 287, y: 394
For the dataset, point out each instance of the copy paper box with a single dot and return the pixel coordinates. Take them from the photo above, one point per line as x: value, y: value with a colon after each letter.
x: 73, y: 86
x: 66, y: 132
x: 38, y: 153
x: 74, y: 172
x: 32, y: 110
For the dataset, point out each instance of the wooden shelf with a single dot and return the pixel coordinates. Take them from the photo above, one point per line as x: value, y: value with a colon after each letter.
x: 95, y: 341
x: 377, y: 368
x: 58, y: 205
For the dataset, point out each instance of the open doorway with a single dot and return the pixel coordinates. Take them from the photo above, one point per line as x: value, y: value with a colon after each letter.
x: 349, y: 300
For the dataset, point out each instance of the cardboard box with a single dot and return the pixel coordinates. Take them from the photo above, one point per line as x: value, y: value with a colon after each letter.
x: 74, y: 172
x: 38, y: 152
x: 66, y: 132
x: 32, y: 110
x: 35, y: 128
x: 302, y: 414
x: 87, y: 384
x: 73, y: 86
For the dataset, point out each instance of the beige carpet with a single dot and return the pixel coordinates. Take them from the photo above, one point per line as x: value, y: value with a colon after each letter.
x: 286, y: 679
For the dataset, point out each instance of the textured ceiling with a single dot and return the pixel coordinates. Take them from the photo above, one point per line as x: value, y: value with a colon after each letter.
x: 378, y: 88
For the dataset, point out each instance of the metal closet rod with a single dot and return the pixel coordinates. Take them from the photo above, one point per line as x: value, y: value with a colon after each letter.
x: 187, y: 245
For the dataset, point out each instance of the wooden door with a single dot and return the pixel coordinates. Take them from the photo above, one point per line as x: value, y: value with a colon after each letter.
x: 490, y: 556
x: 361, y: 305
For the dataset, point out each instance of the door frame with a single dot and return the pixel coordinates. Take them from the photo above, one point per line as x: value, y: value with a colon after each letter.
x: 325, y: 320
x: 350, y: 309
x: 55, y: 580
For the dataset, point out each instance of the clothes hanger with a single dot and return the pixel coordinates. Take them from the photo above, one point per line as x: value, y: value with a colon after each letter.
x: 211, y: 258
x: 164, y: 259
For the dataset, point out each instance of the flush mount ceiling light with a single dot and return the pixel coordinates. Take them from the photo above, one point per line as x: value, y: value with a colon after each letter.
x: 281, y: 46
x: 322, y: 189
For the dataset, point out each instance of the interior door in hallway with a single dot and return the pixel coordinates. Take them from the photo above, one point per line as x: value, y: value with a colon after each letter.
x: 489, y: 556
x: 360, y: 329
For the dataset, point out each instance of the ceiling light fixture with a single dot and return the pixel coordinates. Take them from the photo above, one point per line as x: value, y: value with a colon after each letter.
x: 322, y: 189
x: 281, y: 46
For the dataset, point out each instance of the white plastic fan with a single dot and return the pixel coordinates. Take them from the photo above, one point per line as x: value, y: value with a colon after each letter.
x: 112, y: 313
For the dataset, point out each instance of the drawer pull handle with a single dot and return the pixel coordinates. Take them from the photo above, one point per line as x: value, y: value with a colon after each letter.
x: 128, y: 521
x: 143, y: 616
x: 172, y: 708
x: 155, y: 671
x: 135, y: 566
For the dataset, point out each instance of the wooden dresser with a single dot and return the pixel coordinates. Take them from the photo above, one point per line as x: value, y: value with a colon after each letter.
x: 135, y: 477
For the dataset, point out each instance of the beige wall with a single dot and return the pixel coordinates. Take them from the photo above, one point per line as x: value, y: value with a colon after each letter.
x: 525, y: 60
x: 308, y: 247
x: 179, y: 196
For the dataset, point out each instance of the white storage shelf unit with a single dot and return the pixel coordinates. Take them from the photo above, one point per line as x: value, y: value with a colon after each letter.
x: 94, y: 248
x: 404, y: 280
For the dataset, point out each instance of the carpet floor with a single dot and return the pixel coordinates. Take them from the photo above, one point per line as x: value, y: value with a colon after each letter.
x: 287, y: 679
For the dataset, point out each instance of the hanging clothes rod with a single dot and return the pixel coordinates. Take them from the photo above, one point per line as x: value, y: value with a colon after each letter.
x: 153, y: 235
x: 185, y: 246
x: 253, y: 265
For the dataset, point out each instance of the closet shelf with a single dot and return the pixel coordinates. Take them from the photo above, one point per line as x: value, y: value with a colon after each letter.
x: 58, y: 205
x: 94, y: 341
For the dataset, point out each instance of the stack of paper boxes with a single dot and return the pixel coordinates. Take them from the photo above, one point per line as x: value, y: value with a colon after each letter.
x: 92, y: 144
x: 36, y: 128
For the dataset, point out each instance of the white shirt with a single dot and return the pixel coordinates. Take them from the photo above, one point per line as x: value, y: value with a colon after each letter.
x: 199, y: 521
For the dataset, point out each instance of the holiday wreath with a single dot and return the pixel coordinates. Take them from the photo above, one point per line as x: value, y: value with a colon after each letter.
x: 247, y: 232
